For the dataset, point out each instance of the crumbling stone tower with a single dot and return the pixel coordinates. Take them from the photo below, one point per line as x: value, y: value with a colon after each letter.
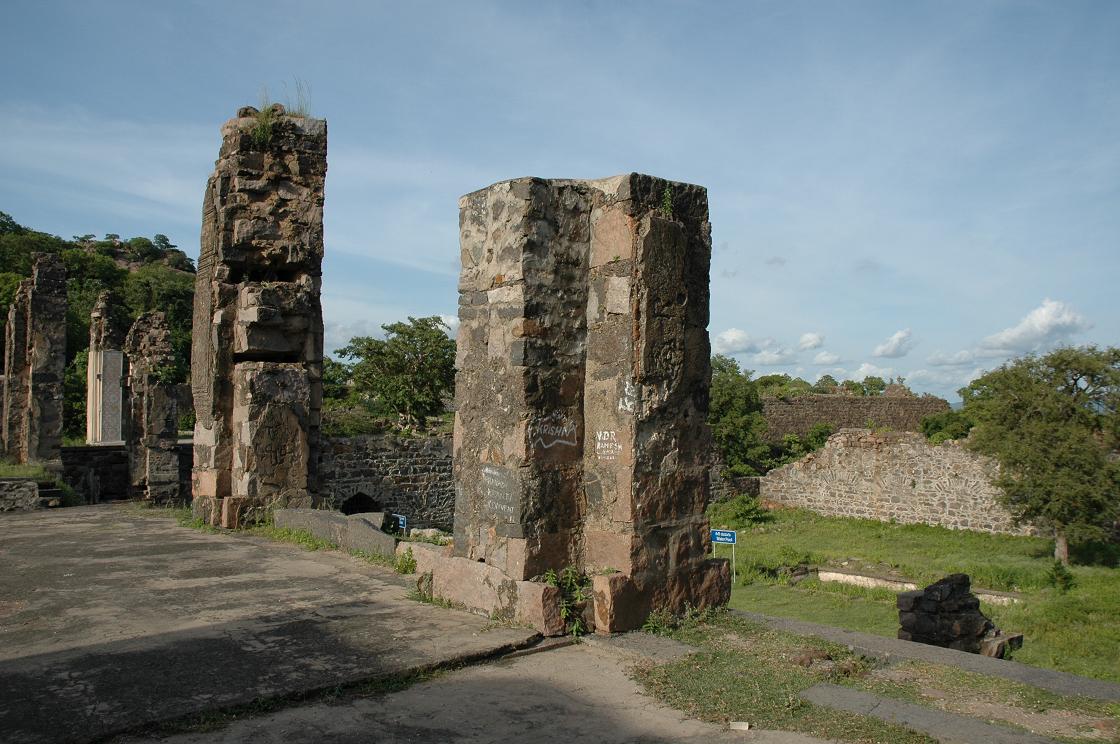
x: 153, y: 420
x: 257, y: 353
x: 104, y: 375
x: 582, y: 389
x: 34, y: 363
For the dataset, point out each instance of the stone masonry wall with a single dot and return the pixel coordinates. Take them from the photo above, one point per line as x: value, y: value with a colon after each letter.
x: 257, y: 346
x: 399, y: 475
x: 798, y: 415
x: 893, y: 476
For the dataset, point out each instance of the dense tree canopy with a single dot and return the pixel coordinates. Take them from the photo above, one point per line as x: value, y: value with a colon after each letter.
x: 410, y: 371
x: 142, y: 274
x: 1052, y: 423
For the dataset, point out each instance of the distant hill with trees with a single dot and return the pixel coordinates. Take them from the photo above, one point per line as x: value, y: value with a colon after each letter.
x: 141, y: 273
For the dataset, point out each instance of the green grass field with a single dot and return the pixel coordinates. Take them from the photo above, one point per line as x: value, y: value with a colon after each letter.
x: 1075, y: 631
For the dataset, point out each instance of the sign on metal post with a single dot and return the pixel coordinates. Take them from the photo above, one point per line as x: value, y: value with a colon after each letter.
x: 402, y: 520
x: 727, y: 537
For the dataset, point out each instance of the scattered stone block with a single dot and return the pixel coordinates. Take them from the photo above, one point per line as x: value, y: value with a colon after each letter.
x: 538, y: 606
x: 947, y: 614
x: 365, y: 535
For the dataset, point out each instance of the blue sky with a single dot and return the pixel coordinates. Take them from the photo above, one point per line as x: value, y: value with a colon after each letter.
x: 916, y: 189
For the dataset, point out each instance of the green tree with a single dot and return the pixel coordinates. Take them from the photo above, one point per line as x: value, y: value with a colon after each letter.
x: 941, y: 427
x: 735, y: 415
x: 157, y: 287
x: 410, y: 371
x: 874, y: 385
x: 1052, y: 423
x: 825, y: 384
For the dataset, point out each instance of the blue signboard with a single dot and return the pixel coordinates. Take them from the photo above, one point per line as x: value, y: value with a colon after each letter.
x: 402, y: 520
x: 727, y: 537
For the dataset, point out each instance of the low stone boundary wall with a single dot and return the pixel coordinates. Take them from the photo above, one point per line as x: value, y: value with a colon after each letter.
x: 400, y: 475
x: 18, y: 494
x: 895, y: 476
x: 355, y: 532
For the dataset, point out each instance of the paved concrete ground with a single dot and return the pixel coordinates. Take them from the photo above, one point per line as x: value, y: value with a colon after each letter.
x: 110, y: 620
x: 887, y: 649
x: 579, y: 693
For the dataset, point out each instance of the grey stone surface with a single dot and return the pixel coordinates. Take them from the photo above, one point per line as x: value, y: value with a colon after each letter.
x: 257, y: 346
x: 356, y: 532
x: 1061, y: 683
x: 948, y: 728
x: 894, y: 476
x: 105, y: 374
x: 110, y: 620
x: 640, y: 646
x: 363, y: 535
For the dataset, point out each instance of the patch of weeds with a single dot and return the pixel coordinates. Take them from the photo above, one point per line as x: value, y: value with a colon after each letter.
x: 746, y: 672
x: 666, y: 208
x: 406, y: 562
x: 302, y: 538
x: 377, y: 559
x: 575, y: 591
x: 423, y: 593
x: 1060, y: 577
x: 663, y: 622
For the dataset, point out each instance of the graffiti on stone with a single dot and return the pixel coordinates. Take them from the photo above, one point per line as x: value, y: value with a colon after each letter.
x: 607, y: 446
x: 628, y: 401
x: 554, y: 429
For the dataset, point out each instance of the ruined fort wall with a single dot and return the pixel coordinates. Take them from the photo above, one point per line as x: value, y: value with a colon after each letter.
x: 798, y: 415
x: 402, y: 475
x: 893, y: 476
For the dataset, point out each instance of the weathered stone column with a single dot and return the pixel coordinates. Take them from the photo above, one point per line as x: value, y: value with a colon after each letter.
x: 15, y: 373
x: 104, y: 375
x: 519, y: 390
x: 153, y: 420
x: 257, y: 350
x: 582, y: 389
x: 35, y: 360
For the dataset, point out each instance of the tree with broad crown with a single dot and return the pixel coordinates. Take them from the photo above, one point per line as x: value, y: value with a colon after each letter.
x: 409, y: 371
x: 1053, y: 425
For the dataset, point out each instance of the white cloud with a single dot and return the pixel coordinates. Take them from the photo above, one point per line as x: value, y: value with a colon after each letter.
x: 734, y: 341
x: 452, y: 322
x: 826, y: 357
x: 1047, y: 325
x: 810, y: 341
x: 774, y: 356
x: 898, y: 345
x: 871, y: 370
x: 959, y: 359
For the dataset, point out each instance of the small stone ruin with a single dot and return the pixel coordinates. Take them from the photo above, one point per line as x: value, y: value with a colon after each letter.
x: 947, y: 614
x: 257, y: 353
x: 34, y: 363
x: 105, y: 375
x: 153, y: 411
x: 582, y: 393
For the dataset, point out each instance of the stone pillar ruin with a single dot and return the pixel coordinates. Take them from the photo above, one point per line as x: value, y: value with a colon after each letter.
x: 582, y: 390
x: 104, y: 376
x: 153, y: 413
x: 34, y: 363
x: 257, y: 352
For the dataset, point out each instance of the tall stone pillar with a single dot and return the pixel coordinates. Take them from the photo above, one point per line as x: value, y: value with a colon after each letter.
x: 35, y: 360
x: 104, y: 375
x: 257, y: 352
x: 582, y: 389
x: 15, y: 374
x: 153, y: 420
